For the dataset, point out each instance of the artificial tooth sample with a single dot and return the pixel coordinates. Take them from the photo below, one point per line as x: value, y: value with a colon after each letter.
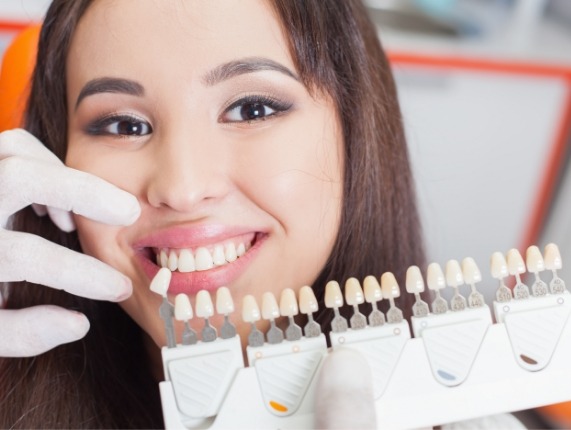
x: 436, y: 282
x: 472, y: 276
x: 354, y: 297
x: 203, y: 259
x: 535, y: 264
x: 271, y: 311
x: 251, y: 314
x: 183, y: 312
x: 225, y: 306
x: 516, y: 266
x: 553, y: 263
x: 415, y: 285
x: 205, y: 309
x: 454, y: 279
x: 160, y: 285
x: 289, y: 309
x: 308, y: 306
x: 499, y: 269
x: 186, y: 261
x: 390, y: 289
x: 373, y: 294
x: 334, y: 300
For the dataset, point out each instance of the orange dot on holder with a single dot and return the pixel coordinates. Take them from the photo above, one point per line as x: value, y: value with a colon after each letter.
x: 278, y: 406
x: 15, y: 76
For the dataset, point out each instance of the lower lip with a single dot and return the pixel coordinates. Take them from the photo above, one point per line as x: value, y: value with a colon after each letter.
x: 210, y: 280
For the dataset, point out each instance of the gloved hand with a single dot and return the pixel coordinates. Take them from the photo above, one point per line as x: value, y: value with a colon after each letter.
x: 345, y: 392
x: 30, y: 173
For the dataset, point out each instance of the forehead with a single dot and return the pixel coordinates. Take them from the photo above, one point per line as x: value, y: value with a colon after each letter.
x: 184, y: 37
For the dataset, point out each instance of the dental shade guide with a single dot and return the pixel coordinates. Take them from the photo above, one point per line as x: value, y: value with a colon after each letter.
x: 456, y: 357
x: 160, y: 285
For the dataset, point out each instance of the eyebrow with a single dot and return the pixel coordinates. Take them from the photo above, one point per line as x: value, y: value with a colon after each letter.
x: 110, y: 85
x: 243, y: 66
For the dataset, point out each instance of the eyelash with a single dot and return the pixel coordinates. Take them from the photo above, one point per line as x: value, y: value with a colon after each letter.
x: 277, y: 106
x: 97, y: 127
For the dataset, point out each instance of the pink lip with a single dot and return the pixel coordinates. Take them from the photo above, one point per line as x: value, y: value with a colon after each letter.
x: 180, y: 237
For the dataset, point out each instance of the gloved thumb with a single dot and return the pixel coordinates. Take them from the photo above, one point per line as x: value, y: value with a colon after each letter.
x: 345, y: 392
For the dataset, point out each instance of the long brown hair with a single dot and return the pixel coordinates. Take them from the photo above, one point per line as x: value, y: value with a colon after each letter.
x: 104, y: 380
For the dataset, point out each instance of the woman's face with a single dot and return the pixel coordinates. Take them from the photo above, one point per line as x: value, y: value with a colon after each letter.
x: 195, y: 108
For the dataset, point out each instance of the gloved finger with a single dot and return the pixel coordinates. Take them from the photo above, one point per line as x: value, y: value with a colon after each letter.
x: 26, y: 257
x: 19, y: 142
x: 63, y: 219
x: 24, y: 181
x: 345, y: 392
x: 32, y: 331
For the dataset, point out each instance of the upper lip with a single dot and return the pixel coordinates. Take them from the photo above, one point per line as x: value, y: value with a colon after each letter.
x: 191, y: 236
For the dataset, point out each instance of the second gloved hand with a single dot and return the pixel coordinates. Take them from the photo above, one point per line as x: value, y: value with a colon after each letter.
x: 31, y: 174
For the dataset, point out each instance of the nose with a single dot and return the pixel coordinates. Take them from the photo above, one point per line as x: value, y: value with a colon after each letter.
x: 187, y: 174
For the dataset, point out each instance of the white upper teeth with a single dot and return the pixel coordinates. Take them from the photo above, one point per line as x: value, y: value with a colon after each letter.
x: 202, y: 258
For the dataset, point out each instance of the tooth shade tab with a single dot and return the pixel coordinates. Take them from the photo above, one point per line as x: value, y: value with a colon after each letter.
x: 161, y: 281
x: 454, y: 277
x: 270, y: 309
x: 552, y: 257
x: 224, y: 302
x: 333, y: 296
x: 389, y: 286
x: 288, y: 303
x: 534, y: 260
x: 204, y: 306
x: 182, y: 308
x: 516, y: 266
x: 373, y: 293
x: 414, y: 280
x: 435, y: 277
x: 307, y: 301
x: 353, y: 292
x: 250, y: 309
x: 471, y: 271
x: 499, y: 266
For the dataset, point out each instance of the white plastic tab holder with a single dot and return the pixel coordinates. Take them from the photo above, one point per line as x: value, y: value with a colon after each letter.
x: 334, y: 300
x: 373, y: 295
x: 354, y: 297
x: 472, y: 276
x: 516, y: 267
x: 454, y: 279
x: 308, y: 306
x: 499, y: 269
x: 415, y: 285
x: 390, y: 289
x: 436, y: 282
x: 535, y: 264
x: 553, y: 263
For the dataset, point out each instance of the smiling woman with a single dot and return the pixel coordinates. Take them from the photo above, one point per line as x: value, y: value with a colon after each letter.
x: 262, y: 141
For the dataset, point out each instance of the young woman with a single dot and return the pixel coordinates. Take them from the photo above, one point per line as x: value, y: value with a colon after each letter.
x: 267, y: 132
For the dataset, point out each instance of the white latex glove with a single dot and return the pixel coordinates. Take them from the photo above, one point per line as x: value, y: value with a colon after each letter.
x: 30, y: 173
x: 345, y: 393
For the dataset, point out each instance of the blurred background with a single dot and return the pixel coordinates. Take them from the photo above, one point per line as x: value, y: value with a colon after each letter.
x: 485, y: 89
